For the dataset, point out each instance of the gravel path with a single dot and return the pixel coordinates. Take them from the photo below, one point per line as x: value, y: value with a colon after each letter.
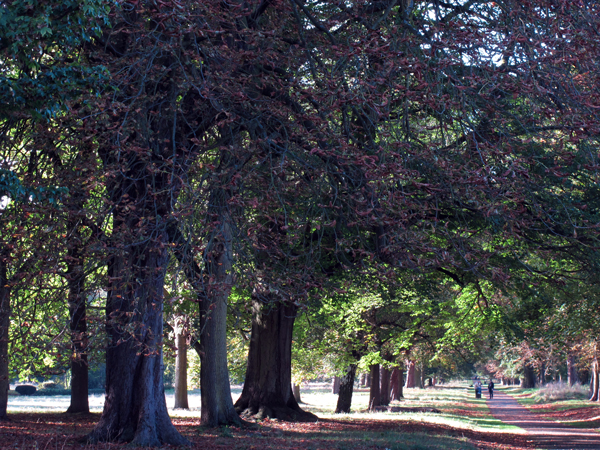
x: 544, y: 433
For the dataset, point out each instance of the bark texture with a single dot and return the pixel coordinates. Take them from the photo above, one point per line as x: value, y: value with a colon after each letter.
x: 375, y: 391
x: 181, y: 394
x: 212, y: 286
x: 385, y: 374
x: 344, y: 403
x: 335, y: 385
x: 572, y: 374
x: 411, y: 381
x: 396, y: 384
x: 4, y: 325
x: 135, y: 409
x: 268, y: 384
x: 363, y: 379
x: 296, y: 392
x: 528, y: 380
x: 217, y: 405
x: 595, y: 382
x: 78, y: 327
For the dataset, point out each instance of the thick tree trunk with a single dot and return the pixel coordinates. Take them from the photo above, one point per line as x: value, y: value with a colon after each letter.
x: 79, y: 338
x: 135, y: 409
x: 267, y: 388
x: 572, y: 374
x: 335, y: 385
x: 215, y: 391
x: 385, y: 374
x: 410, y: 374
x: 344, y: 402
x: 396, y: 384
x: 363, y: 380
x: 528, y: 380
x: 4, y: 326
x: 375, y: 392
x: 181, y: 393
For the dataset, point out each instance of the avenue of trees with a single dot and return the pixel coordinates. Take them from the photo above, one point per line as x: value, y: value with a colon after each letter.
x: 388, y: 186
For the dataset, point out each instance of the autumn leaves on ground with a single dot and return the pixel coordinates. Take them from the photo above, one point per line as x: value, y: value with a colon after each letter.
x: 464, y: 422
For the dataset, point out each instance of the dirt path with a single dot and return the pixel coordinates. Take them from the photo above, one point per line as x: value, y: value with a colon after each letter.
x: 542, y: 432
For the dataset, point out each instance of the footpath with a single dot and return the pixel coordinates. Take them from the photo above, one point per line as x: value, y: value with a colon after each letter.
x: 543, y: 433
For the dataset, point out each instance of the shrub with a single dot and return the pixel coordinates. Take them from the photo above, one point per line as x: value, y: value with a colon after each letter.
x: 49, y: 385
x: 50, y: 392
x: 25, y: 389
x: 553, y: 392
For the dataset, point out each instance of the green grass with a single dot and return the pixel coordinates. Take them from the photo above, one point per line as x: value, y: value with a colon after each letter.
x: 557, y: 397
x: 392, y: 440
x: 451, y: 400
x: 460, y: 411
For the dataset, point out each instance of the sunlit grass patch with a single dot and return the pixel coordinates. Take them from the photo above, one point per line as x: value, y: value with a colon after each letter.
x: 391, y: 440
x: 459, y: 409
x: 553, y: 392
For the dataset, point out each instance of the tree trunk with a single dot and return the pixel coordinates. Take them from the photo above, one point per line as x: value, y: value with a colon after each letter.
x: 215, y: 390
x: 4, y: 327
x: 396, y: 383
x: 363, y: 380
x: 135, y: 408
x: 181, y: 392
x: 375, y: 392
x: 335, y: 385
x: 267, y: 388
x: 385, y: 386
x: 213, y: 294
x: 296, y: 392
x: 595, y: 383
x: 367, y: 380
x: 78, y: 326
x: 542, y: 374
x: 572, y: 374
x: 410, y: 374
x: 418, y: 377
x: 344, y: 402
x: 528, y: 380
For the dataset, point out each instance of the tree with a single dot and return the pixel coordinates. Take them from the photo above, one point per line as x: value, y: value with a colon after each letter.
x: 267, y: 388
x: 39, y: 76
x: 439, y: 137
x: 181, y: 338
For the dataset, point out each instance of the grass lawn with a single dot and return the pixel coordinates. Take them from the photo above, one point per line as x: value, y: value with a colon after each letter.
x: 575, y: 412
x: 464, y: 423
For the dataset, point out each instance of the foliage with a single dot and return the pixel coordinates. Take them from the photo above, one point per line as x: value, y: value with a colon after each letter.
x: 413, y: 175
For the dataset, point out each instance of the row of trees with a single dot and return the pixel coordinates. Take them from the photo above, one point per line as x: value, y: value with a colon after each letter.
x: 423, y: 170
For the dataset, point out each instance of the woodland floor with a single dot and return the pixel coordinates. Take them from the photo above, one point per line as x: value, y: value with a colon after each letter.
x: 465, y: 423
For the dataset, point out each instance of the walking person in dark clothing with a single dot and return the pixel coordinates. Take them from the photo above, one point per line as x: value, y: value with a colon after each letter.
x: 491, y: 389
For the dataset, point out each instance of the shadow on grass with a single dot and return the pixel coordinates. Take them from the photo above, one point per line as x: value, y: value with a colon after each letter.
x: 352, y: 440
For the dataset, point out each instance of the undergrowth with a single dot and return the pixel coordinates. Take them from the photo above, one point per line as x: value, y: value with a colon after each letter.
x: 553, y: 392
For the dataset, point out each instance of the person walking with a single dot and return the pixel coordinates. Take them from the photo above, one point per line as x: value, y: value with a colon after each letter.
x: 491, y: 389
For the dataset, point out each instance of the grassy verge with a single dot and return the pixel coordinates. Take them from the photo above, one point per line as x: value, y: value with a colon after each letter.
x: 561, y: 403
x: 459, y: 409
